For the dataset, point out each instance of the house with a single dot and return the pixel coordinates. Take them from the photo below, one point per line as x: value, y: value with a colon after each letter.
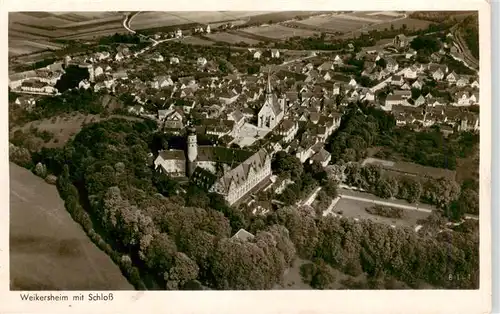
x: 419, y: 101
x: 288, y: 129
x: 418, y: 84
x: 397, y: 80
x: 36, y: 86
x: 410, y: 53
x: 438, y: 74
x: 174, y: 60
x: 85, y: 84
x: 411, y: 72
x: 174, y: 119
x: 157, y: 57
x: 368, y: 96
x: 436, y: 57
x: 138, y: 109
x: 437, y: 102
x: 201, y: 61
x: 327, y: 76
x: 474, y: 98
x: 275, y: 53
x: 25, y: 102
x: 322, y: 156
x: 338, y: 60
x: 400, y: 41
x: 393, y: 100
x: 219, y: 127
x: 326, y: 66
x: 463, y: 81
x: 336, y: 89
x: 119, y: 56
x: 406, y: 94
x: 257, y: 54
x: 178, y: 33
x: 392, y: 65
x: 452, y: 77
x: 120, y: 75
x: 100, y: 55
x: 243, y: 235
x: 353, y: 83
x: 98, y: 71
x: 406, y: 86
x: 238, y: 118
x: 462, y: 98
x: 475, y: 84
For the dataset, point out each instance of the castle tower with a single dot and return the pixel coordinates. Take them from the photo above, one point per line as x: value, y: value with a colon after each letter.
x: 192, y: 151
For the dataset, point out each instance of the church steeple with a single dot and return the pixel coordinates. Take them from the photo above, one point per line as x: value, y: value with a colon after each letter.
x: 269, y: 90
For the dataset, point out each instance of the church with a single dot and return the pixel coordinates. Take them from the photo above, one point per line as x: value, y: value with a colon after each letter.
x: 273, y: 110
x: 233, y: 173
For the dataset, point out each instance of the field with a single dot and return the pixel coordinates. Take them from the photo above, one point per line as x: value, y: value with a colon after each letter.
x: 147, y: 20
x: 411, y: 24
x: 31, y: 32
x: 48, y: 250
x: 278, y: 32
x: 64, y: 127
x: 345, y: 22
x: 232, y: 38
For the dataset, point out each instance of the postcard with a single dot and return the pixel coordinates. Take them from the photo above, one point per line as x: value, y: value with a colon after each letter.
x: 279, y: 157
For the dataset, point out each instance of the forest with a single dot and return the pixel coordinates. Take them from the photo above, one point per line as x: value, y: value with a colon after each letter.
x: 164, y: 238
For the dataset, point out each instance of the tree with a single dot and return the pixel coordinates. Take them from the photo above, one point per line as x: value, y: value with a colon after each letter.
x: 196, y: 197
x: 381, y: 63
x: 323, y: 276
x: 183, y: 270
x: 415, y: 93
x: 165, y: 185
x: 441, y: 192
x: 285, y: 163
x: 160, y: 253
x: 383, y: 189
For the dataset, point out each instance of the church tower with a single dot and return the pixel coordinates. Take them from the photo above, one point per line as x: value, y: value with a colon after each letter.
x: 192, y: 151
x: 269, y: 89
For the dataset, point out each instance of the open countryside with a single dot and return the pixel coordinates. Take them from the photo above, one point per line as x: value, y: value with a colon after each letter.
x: 48, y: 250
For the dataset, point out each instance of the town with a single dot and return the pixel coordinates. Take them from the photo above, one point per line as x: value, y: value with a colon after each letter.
x: 259, y: 142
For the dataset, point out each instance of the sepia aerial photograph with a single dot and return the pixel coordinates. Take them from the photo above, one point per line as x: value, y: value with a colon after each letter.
x: 244, y: 150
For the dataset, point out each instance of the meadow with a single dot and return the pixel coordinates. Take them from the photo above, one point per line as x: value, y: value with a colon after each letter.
x: 48, y: 250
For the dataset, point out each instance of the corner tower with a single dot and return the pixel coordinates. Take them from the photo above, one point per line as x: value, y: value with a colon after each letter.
x: 192, y: 150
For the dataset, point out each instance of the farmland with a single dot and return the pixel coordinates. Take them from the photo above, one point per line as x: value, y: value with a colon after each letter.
x: 31, y: 32
x: 232, y: 38
x: 277, y: 32
x: 345, y: 22
x: 48, y: 250
x: 148, y: 20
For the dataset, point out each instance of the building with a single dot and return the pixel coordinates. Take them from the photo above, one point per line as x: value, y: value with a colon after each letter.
x: 273, y: 110
x: 400, y: 41
x: 233, y: 173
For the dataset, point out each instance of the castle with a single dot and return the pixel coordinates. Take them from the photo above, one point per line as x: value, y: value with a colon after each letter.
x: 233, y: 173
